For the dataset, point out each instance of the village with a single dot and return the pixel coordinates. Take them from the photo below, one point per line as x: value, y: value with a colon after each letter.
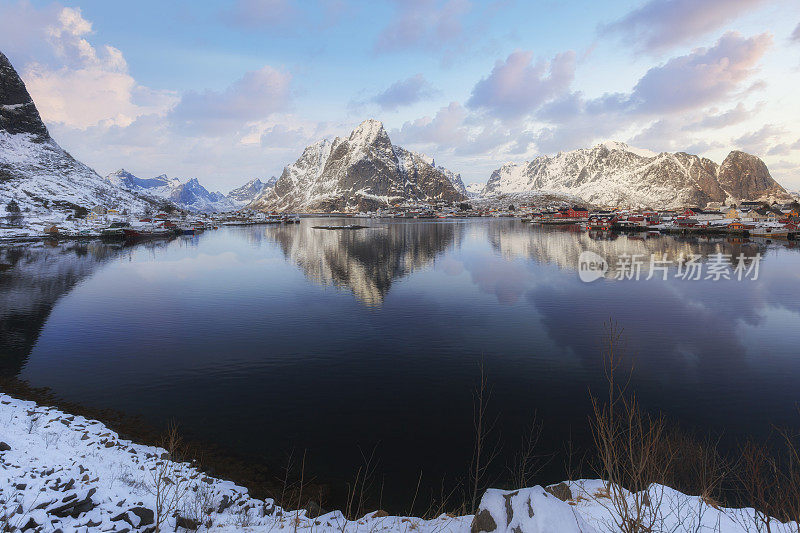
x: 749, y: 218
x: 754, y: 219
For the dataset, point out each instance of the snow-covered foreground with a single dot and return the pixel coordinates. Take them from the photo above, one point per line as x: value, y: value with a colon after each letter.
x: 59, y: 471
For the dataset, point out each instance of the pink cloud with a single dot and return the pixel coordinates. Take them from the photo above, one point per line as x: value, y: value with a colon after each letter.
x: 661, y: 24
x: 517, y: 86
x: 254, y: 96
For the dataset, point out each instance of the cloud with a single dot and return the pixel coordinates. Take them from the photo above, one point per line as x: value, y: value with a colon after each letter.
x: 92, y: 84
x: 253, y: 97
x: 282, y: 136
x: 517, y: 86
x: 758, y: 142
x: 784, y: 149
x: 721, y: 120
x: 662, y: 24
x: 423, y: 24
x: 405, y: 92
x: 702, y: 77
x: 255, y: 14
x: 445, y: 129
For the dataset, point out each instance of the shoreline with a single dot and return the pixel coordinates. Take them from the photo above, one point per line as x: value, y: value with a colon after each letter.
x: 259, y: 478
x: 66, y: 471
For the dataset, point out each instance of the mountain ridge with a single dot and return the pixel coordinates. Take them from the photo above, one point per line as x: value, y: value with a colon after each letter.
x: 615, y: 175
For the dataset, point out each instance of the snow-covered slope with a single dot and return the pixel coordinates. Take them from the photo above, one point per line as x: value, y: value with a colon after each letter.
x: 614, y: 174
x: 189, y: 195
x: 361, y: 172
x: 475, y: 190
x: 35, y: 171
x: 241, y: 196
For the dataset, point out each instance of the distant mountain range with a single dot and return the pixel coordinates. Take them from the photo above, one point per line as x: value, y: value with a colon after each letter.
x: 188, y: 195
x: 616, y: 175
x: 364, y: 171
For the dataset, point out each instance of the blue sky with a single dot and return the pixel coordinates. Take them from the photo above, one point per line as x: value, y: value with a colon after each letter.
x: 227, y: 91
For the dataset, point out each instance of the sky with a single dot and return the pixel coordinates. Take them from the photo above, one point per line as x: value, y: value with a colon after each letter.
x: 232, y: 90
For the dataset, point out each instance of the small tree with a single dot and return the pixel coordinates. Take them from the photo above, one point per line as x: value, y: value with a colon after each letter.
x: 464, y: 206
x: 13, y: 207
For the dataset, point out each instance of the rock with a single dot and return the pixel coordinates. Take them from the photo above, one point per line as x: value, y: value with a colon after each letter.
x: 268, y: 509
x: 75, y: 507
x: 18, y: 114
x: 144, y: 517
x: 313, y: 509
x: 560, y: 491
x: 187, y: 523
x: 483, y: 521
x: 531, y: 510
x: 4, y: 447
x: 224, y: 504
x: 30, y: 524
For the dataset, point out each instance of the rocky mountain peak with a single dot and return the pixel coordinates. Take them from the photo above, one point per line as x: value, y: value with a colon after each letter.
x: 18, y: 113
x: 363, y: 171
x: 368, y: 132
x: 745, y: 176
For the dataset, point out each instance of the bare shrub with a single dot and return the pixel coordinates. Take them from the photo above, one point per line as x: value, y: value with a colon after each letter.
x: 198, y: 507
x: 166, y: 482
x: 629, y: 447
x: 526, y: 463
x: 769, y: 479
x: 51, y: 439
x: 33, y: 423
x: 484, y: 452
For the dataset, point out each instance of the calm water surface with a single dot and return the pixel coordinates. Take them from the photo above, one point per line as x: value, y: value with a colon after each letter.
x: 268, y: 338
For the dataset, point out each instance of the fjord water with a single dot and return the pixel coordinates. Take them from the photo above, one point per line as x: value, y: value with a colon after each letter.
x: 266, y: 339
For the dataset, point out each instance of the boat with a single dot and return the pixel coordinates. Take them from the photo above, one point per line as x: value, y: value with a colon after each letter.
x: 770, y: 233
x: 137, y: 234
x: 348, y: 227
x: 115, y: 231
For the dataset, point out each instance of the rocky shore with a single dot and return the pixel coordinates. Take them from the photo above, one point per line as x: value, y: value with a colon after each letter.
x: 62, y: 472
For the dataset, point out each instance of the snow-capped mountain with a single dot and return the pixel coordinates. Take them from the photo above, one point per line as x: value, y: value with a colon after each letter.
x: 474, y: 190
x: 189, y: 195
x: 35, y: 171
x: 361, y: 172
x: 241, y: 196
x: 614, y: 174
